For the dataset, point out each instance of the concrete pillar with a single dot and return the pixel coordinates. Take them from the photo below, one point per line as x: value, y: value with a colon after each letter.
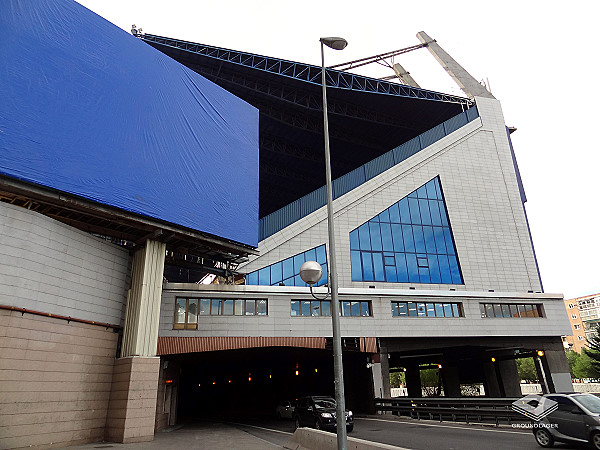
x: 405, y: 76
x: 558, y: 370
x: 509, y: 377
x: 451, y: 380
x: 140, y: 334
x: 132, y: 406
x: 491, y: 383
x: 413, y: 381
x: 385, y: 374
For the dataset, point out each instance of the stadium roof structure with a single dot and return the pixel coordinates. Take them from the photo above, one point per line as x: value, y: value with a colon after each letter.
x: 367, y: 117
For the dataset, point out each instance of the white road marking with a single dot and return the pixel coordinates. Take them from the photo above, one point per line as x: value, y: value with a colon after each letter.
x: 260, y: 428
x: 441, y: 426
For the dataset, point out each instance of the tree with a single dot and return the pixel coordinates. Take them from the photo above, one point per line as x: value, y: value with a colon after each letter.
x: 593, y: 352
x: 397, y: 379
x: 526, y: 370
x: 572, y: 358
x: 583, y: 367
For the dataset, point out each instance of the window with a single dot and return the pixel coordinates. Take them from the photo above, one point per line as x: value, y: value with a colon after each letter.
x: 410, y: 242
x: 186, y: 314
x: 510, y: 310
x: 187, y: 311
x: 571, y: 306
x: 287, y: 271
x: 420, y: 309
x: 573, y: 316
x: 576, y: 326
x: 355, y: 308
x: 314, y: 308
x: 580, y: 338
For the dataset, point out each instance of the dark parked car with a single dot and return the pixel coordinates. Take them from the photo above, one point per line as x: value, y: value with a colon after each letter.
x: 577, y: 419
x: 319, y: 412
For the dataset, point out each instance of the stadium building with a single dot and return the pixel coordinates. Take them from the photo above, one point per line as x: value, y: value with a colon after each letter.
x: 133, y: 167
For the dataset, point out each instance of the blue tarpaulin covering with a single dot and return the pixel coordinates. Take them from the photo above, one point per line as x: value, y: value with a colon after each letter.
x: 88, y: 109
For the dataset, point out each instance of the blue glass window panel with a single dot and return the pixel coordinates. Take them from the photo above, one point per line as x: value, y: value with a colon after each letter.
x: 375, y: 230
x: 413, y: 270
x: 434, y: 269
x: 445, y: 269
x: 422, y: 192
x: 394, y: 213
x: 424, y: 275
x: 443, y: 214
x: 456, y: 278
x: 429, y: 240
x: 439, y: 310
x: 252, y: 278
x: 390, y: 274
x: 367, y: 266
x: 394, y: 309
x: 321, y: 255
x: 447, y: 310
x: 431, y: 192
x: 363, y: 237
x: 448, y: 239
x: 298, y: 261
x: 264, y: 276
x: 295, y: 307
x: 288, y: 268
x: 409, y: 242
x: 415, y: 215
x: 389, y: 260
x: 276, y: 273
x: 355, y: 306
x: 412, y: 309
x: 455, y: 312
x: 365, y: 309
x: 326, y: 308
x: 354, y: 245
x: 386, y: 237
x: 310, y: 255
x: 345, y: 309
x: 323, y: 279
x: 288, y: 281
x: 356, y: 265
x: 378, y: 267
x: 434, y: 210
x: 315, y: 307
x: 421, y: 310
x: 401, y: 269
x: 422, y: 261
x: 306, y: 308
x: 438, y: 233
x: 419, y: 238
x: 397, y: 237
x: 404, y: 211
x: 402, y: 309
x: 438, y: 188
x: 298, y: 281
x: 425, y: 215
x: 385, y: 216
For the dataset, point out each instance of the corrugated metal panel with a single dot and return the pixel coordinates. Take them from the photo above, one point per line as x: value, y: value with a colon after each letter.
x: 313, y: 201
x: 379, y: 165
x: 279, y: 219
x: 407, y: 149
x: 455, y: 123
x: 176, y: 345
x: 346, y: 183
x: 433, y: 135
x: 472, y: 113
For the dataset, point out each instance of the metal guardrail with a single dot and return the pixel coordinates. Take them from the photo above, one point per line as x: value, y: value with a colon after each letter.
x: 482, y: 410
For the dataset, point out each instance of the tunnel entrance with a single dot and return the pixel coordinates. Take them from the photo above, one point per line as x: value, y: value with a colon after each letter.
x: 250, y: 383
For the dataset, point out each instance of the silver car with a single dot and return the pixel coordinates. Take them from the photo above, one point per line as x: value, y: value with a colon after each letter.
x: 577, y: 419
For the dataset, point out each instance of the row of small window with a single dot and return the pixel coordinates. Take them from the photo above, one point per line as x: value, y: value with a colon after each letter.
x: 318, y: 308
x: 187, y: 310
x: 511, y: 310
x: 418, y: 309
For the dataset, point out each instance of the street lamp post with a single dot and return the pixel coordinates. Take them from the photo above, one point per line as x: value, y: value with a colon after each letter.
x: 337, y: 44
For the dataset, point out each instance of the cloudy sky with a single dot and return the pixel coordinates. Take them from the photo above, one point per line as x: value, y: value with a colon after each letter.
x: 538, y: 57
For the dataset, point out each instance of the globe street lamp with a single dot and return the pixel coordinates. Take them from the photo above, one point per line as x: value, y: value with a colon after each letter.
x: 335, y: 43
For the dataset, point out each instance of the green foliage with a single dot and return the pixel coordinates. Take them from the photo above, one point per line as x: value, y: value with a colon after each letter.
x: 526, y: 370
x: 572, y: 358
x: 397, y: 379
x: 593, y: 353
x: 584, y: 367
x: 430, y: 382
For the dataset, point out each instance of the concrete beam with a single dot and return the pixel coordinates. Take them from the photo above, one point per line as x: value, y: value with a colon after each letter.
x: 405, y: 76
x: 464, y: 79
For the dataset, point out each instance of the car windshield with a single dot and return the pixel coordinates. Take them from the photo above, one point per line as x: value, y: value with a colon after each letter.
x: 325, y: 403
x: 591, y: 402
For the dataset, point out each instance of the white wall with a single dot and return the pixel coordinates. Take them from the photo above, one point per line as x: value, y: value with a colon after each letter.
x: 51, y: 267
x: 482, y: 198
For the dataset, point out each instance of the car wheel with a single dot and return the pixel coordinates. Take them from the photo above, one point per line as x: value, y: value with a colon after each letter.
x: 595, y: 440
x: 296, y: 423
x: 317, y: 424
x: 544, y: 438
x: 349, y: 428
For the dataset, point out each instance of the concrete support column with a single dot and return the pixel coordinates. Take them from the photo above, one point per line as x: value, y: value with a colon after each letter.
x: 132, y: 406
x: 491, y: 382
x: 413, y: 381
x: 451, y: 381
x: 385, y: 375
x: 558, y: 370
x: 140, y: 334
x: 509, y: 377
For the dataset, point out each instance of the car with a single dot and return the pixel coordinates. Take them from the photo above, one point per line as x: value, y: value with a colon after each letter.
x: 285, y: 410
x: 319, y: 412
x: 576, y: 420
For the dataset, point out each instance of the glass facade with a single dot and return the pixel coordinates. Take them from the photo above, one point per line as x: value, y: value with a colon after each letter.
x: 187, y: 310
x: 510, y: 310
x: 286, y: 272
x: 410, y: 242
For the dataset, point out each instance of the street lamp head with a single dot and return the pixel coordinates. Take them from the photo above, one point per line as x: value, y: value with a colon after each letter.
x: 311, y: 272
x: 336, y: 43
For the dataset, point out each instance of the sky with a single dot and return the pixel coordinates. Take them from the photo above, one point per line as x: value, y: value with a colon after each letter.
x: 539, y: 58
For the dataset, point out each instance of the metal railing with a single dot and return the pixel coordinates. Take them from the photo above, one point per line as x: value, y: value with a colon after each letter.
x: 480, y: 410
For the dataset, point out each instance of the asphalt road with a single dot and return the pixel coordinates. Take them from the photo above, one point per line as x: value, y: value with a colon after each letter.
x: 413, y: 434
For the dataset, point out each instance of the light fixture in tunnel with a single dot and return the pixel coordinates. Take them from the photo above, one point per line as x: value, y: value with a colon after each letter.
x: 297, y: 372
